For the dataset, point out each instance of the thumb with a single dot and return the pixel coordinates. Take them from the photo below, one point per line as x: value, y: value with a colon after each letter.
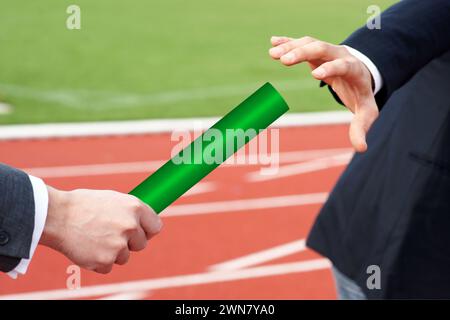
x: 362, y: 121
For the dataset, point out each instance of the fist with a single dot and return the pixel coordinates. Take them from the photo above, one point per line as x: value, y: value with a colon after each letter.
x: 97, y: 229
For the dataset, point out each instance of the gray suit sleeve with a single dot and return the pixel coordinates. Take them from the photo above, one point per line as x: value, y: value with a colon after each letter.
x: 16, y: 217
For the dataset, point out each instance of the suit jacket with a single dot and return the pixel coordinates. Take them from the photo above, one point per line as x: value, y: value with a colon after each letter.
x: 391, y: 206
x: 16, y: 217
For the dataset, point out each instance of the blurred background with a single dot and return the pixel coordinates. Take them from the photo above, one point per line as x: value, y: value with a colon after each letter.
x: 159, y: 59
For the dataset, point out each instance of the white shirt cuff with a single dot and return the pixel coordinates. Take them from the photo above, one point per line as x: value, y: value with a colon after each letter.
x: 376, y: 75
x: 40, y: 194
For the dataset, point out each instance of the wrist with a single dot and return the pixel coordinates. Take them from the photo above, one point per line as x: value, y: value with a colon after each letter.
x: 377, y: 80
x: 58, y: 205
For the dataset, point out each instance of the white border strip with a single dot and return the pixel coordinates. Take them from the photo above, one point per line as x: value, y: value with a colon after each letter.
x: 136, y: 127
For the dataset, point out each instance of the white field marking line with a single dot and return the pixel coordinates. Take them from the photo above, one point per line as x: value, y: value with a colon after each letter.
x: 245, y: 204
x: 153, y: 165
x: 261, y: 256
x: 84, y: 98
x: 176, y: 281
x: 303, y: 167
x: 138, y: 127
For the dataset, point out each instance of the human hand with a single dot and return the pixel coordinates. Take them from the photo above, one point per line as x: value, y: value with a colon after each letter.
x: 336, y: 66
x: 97, y: 229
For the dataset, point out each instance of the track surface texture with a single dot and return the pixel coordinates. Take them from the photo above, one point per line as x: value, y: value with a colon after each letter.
x: 236, y: 235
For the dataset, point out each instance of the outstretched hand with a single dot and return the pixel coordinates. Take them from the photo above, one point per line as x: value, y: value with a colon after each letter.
x: 336, y: 66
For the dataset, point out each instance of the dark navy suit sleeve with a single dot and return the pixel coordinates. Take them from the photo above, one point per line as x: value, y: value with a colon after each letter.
x: 413, y: 32
x: 16, y: 217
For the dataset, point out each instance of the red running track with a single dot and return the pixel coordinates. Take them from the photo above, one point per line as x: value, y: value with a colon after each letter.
x: 260, y: 223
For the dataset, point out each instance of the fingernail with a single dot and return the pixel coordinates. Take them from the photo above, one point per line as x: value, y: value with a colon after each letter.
x: 276, y: 51
x: 159, y: 225
x: 288, y: 57
x: 319, y: 72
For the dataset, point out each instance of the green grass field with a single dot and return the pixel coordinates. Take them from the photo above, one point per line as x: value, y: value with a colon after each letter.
x: 160, y: 58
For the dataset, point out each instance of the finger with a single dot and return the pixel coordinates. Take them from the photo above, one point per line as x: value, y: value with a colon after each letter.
x: 277, y: 40
x: 360, y: 125
x: 335, y: 68
x: 138, y: 241
x: 123, y: 257
x: 104, y: 269
x: 358, y: 135
x: 278, y: 51
x: 316, y: 50
x: 150, y: 222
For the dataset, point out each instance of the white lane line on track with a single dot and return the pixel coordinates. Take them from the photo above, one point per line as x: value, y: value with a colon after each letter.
x: 201, y: 187
x: 176, y: 281
x: 94, y: 169
x: 152, y: 165
x: 249, y: 260
x: 225, y: 271
x: 261, y: 256
x: 139, y: 127
x: 303, y: 167
x: 245, y: 204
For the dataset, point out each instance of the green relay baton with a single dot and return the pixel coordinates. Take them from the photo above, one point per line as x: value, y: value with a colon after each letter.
x: 212, y: 148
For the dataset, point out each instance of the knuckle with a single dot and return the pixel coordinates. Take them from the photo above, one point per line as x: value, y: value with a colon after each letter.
x: 349, y: 63
x: 321, y: 47
x: 351, y: 60
x: 296, y: 53
x: 287, y: 46
x: 307, y: 38
x: 135, y: 206
x: 105, y: 261
x: 131, y: 225
x: 346, y: 64
x: 120, y: 245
